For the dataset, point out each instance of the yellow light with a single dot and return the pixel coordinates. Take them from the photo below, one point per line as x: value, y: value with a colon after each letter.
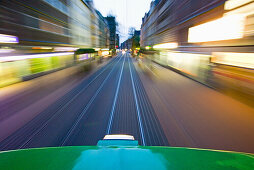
x: 171, y: 45
x: 247, y: 11
x: 185, y: 62
x: 105, y: 49
x: 42, y: 48
x: 231, y: 4
x: 245, y: 60
x: 225, y: 28
x: 243, y: 10
x: 97, y: 49
x: 105, y: 53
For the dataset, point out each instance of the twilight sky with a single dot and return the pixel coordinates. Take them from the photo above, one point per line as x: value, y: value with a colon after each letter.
x: 128, y: 13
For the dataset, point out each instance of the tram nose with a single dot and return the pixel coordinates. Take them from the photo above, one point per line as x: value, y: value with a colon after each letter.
x: 118, y: 137
x: 118, y: 140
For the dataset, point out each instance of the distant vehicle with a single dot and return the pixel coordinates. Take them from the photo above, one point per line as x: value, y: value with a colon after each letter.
x: 123, y: 152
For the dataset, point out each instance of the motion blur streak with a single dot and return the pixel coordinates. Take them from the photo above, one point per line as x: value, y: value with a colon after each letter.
x: 166, y: 46
x: 215, y: 42
x: 24, y: 57
x: 245, y: 60
x: 8, y: 39
x: 226, y: 28
x: 231, y: 4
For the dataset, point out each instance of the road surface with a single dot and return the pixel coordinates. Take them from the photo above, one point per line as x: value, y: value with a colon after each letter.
x: 161, y: 108
x: 110, y: 101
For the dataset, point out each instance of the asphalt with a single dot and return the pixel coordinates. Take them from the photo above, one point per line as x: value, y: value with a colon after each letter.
x: 110, y: 101
x: 193, y: 115
x: 159, y: 107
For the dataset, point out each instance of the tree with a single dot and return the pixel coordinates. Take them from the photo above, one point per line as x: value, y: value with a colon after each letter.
x: 131, y: 32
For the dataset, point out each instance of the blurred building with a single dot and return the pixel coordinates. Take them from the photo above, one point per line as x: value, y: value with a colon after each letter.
x: 169, y: 21
x: 211, y: 41
x: 103, y: 31
x: 132, y: 42
x: 41, y: 36
x: 127, y: 44
x: 54, y: 23
x: 177, y: 21
x: 82, y: 24
x: 41, y: 22
x: 112, y: 31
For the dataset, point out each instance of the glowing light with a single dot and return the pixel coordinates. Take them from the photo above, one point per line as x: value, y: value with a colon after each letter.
x: 42, y: 48
x: 247, y: 11
x: 3, y: 50
x: 105, y: 53
x: 83, y: 57
x: 185, y: 62
x: 148, y: 47
x: 243, y: 10
x: 171, y: 45
x: 118, y: 137
x: 65, y: 49
x: 24, y: 57
x: 245, y: 60
x: 105, y: 49
x: 231, y: 4
x: 97, y: 49
x: 225, y: 28
x: 8, y: 39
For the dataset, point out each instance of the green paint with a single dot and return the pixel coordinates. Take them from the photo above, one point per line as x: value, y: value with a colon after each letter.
x: 124, y: 157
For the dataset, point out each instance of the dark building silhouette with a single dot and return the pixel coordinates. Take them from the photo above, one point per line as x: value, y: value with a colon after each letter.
x: 112, y: 31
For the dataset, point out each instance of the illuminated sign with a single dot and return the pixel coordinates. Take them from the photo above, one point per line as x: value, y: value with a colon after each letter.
x: 24, y: 57
x: 166, y: 46
x: 8, y: 39
x: 225, y: 28
x: 245, y: 60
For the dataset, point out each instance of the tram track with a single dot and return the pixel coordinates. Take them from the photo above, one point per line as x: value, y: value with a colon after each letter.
x: 138, y: 118
x: 87, y: 107
x: 35, y: 126
x: 110, y: 101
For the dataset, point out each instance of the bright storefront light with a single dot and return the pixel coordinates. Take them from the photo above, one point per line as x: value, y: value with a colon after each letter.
x: 171, y: 45
x: 8, y: 39
x: 231, y: 4
x: 24, y: 57
x: 245, y: 60
x: 225, y: 28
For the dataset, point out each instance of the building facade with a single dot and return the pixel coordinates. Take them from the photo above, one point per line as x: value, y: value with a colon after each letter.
x: 133, y: 42
x: 211, y: 41
x: 112, y: 31
x: 54, y: 23
x: 103, y: 31
x: 174, y: 21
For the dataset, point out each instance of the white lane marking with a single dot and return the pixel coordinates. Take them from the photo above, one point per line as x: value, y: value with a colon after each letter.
x: 62, y: 108
x: 87, y: 106
x: 137, y: 107
x: 114, y: 103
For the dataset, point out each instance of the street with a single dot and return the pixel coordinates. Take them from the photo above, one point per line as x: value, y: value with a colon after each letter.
x: 160, y: 109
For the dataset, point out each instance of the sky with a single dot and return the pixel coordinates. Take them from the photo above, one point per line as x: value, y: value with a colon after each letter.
x: 129, y: 13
